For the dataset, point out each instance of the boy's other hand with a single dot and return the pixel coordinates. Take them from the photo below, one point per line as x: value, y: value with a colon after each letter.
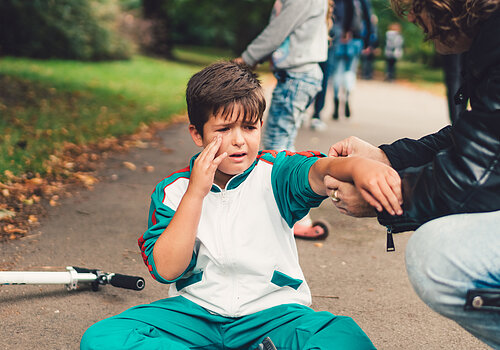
x: 353, y: 146
x: 379, y: 184
x: 204, y: 168
x: 350, y: 201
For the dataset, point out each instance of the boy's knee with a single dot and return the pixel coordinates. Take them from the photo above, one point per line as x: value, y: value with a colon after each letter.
x: 348, y: 335
x: 91, y: 339
x: 124, y: 334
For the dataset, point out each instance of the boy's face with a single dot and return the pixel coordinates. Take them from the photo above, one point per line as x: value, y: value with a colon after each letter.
x: 240, y: 141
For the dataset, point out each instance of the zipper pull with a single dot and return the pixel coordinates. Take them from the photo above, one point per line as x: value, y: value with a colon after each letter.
x: 390, y: 241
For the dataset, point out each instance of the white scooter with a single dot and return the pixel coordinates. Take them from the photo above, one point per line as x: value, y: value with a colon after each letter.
x: 71, y: 277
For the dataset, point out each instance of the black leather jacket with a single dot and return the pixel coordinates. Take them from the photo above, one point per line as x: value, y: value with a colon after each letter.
x: 457, y: 169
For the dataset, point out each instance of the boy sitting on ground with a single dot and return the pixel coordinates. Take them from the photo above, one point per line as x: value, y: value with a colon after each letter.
x: 220, y: 232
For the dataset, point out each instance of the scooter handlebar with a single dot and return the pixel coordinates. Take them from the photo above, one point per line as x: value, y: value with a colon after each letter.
x: 127, y: 282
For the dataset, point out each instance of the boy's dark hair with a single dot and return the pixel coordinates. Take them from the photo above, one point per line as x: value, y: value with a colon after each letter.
x: 218, y: 88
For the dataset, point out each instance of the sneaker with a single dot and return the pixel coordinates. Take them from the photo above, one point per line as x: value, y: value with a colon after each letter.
x: 266, y: 344
x: 318, y: 230
x: 317, y: 124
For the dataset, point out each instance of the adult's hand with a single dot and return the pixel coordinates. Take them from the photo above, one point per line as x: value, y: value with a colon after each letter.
x: 240, y: 60
x: 347, y: 198
x: 353, y: 146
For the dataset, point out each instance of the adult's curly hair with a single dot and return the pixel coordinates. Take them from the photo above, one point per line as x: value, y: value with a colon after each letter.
x: 449, y: 19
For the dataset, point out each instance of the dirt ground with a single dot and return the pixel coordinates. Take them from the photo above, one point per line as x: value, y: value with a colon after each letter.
x: 349, y: 274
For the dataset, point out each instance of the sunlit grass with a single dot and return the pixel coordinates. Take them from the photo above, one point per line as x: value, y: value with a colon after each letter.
x: 46, y: 103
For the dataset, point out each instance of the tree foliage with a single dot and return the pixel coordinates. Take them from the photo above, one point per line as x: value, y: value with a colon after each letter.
x: 69, y: 29
x: 216, y: 23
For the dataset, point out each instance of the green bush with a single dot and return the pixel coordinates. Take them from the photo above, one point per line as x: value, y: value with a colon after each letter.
x: 68, y: 29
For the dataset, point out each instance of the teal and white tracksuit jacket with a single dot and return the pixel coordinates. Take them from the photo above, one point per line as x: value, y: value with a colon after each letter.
x: 245, y: 259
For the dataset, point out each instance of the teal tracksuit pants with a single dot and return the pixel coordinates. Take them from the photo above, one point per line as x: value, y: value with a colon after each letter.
x: 179, y: 324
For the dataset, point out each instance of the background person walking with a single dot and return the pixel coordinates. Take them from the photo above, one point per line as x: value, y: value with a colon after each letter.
x: 296, y: 40
x: 393, y: 50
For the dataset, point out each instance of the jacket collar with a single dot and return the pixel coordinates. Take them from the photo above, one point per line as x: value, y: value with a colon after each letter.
x: 234, y: 182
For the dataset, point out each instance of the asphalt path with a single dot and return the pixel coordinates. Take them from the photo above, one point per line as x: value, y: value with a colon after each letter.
x: 349, y: 274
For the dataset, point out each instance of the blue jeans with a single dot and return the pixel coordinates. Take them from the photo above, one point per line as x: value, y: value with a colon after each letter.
x: 342, y: 64
x: 450, y: 255
x: 293, y: 93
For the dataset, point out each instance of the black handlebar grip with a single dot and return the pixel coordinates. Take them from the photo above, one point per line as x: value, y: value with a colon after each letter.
x: 128, y: 282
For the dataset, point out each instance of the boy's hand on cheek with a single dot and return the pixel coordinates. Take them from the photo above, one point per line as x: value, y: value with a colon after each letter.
x: 379, y: 184
x: 203, y: 172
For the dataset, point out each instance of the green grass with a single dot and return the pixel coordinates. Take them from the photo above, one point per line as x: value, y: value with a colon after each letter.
x: 414, y: 71
x: 418, y: 74
x: 46, y: 103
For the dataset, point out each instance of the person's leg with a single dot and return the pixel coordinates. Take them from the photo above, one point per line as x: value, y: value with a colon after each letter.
x: 337, y: 83
x: 296, y: 327
x: 350, y: 81
x: 319, y: 101
x: 290, y: 99
x: 369, y: 65
x: 450, y: 255
x: 390, y: 68
x: 364, y: 66
x: 168, y: 324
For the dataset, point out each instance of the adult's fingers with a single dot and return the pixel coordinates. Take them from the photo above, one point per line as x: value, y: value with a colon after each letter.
x: 331, y: 183
x: 339, y: 149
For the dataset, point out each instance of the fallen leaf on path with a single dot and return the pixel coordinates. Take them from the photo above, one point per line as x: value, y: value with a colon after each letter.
x: 318, y: 244
x: 149, y: 168
x: 12, y: 229
x: 130, y: 166
x: 10, y: 175
x: 86, y: 179
x: 140, y: 144
x: 6, y: 214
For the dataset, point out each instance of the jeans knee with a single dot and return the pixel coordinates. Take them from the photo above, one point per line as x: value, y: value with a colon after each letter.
x: 423, y: 263
x: 434, y: 269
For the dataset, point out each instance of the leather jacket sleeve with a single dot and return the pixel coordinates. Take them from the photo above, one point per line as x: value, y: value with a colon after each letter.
x: 405, y: 153
x: 456, y: 170
x: 463, y: 178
